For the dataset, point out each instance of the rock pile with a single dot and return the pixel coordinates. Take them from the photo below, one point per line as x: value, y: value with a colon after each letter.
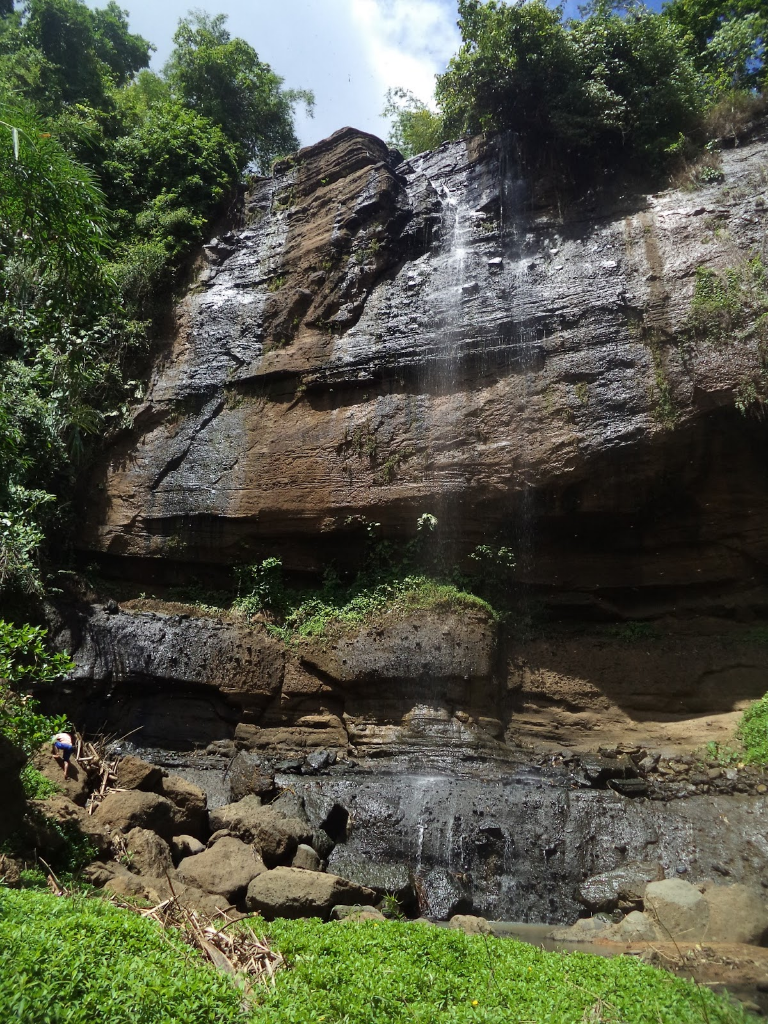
x: 635, y: 903
x: 157, y: 839
x: 635, y: 771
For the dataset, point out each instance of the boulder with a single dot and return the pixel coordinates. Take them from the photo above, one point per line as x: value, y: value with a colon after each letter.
x: 185, y: 846
x: 678, y: 908
x: 470, y: 924
x: 188, y: 897
x: 148, y: 854
x: 250, y: 776
x: 10, y: 871
x: 134, y: 773
x: 275, y: 835
x: 123, y: 882
x: 586, y: 929
x: 604, y: 892
x: 636, y: 927
x: 75, y: 787
x: 736, y: 914
x: 137, y: 809
x: 60, y: 809
x: 293, y: 893
x: 446, y: 894
x: 385, y: 879
x: 306, y: 859
x: 355, y: 913
x: 225, y: 869
x: 190, y: 803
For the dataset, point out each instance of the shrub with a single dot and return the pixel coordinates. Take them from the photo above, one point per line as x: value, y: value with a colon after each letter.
x: 753, y: 732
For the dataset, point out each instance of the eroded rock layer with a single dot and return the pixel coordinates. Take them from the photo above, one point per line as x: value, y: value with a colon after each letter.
x: 385, y: 338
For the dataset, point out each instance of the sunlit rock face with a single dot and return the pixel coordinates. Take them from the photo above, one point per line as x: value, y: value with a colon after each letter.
x: 379, y: 339
x: 384, y: 338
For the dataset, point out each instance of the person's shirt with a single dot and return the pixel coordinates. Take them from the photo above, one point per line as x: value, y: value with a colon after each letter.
x: 63, y: 737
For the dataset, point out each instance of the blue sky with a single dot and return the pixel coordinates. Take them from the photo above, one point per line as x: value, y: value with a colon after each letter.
x: 349, y: 52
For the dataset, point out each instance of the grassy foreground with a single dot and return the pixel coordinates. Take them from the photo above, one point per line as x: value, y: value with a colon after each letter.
x: 82, y: 961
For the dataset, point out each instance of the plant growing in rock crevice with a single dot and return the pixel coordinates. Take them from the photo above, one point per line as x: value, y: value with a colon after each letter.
x: 731, y: 304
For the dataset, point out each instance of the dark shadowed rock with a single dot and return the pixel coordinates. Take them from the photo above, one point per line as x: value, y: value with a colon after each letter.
x: 225, y: 869
x: 447, y: 894
x: 190, y: 803
x: 249, y: 775
x: 60, y: 809
x: 385, y: 879
x: 292, y: 893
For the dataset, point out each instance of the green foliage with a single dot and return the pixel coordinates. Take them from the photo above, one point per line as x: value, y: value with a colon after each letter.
x: 79, y: 960
x: 395, y: 579
x: 722, y: 753
x: 24, y: 659
x: 377, y: 972
x: 726, y: 40
x: 732, y: 304
x: 633, y: 632
x: 753, y: 732
x: 415, y: 128
x: 615, y: 85
x: 223, y: 80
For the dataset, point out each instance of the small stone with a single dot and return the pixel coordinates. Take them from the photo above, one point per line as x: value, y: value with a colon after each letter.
x: 761, y: 789
x: 306, y: 858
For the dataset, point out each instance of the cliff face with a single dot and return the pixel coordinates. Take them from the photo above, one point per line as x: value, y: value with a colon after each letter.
x: 381, y: 339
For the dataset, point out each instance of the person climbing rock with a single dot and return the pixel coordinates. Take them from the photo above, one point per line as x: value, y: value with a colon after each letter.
x: 62, y: 750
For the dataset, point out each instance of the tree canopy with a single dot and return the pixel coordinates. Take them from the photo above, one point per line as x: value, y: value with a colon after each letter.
x: 110, y: 176
x: 618, y: 83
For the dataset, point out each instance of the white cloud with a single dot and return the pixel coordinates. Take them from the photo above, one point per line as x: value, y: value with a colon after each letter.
x: 407, y: 41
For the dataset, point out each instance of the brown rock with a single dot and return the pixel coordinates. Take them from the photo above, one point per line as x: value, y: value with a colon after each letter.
x: 148, y: 853
x: 224, y: 869
x: 10, y: 871
x: 737, y: 913
x: 123, y: 883
x: 135, y: 773
x: 353, y: 914
x: 191, y: 803
x: 75, y: 787
x: 275, y: 835
x: 293, y: 893
x: 136, y: 809
x: 186, y: 846
x: 470, y: 924
x: 61, y: 809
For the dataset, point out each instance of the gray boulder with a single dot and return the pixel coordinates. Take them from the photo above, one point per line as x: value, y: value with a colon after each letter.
x: 306, y: 858
x: 225, y: 869
x: 446, y: 894
x: 250, y: 776
x: 293, y: 893
x: 136, y: 809
x: 604, y: 892
x: 385, y: 879
x: 636, y: 927
x: 678, y: 908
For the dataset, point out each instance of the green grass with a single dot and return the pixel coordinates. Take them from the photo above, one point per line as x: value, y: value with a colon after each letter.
x: 333, y: 613
x: 753, y: 732
x: 82, y: 961
x: 369, y: 973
